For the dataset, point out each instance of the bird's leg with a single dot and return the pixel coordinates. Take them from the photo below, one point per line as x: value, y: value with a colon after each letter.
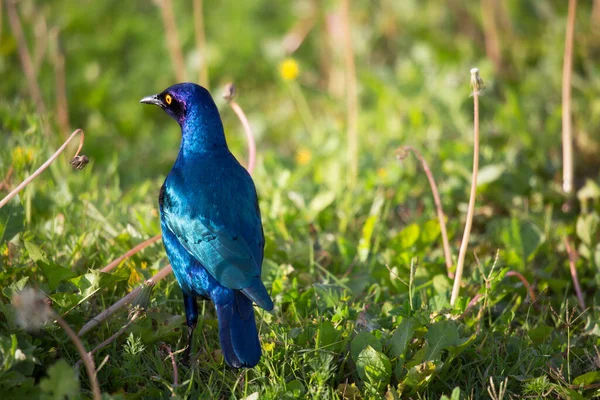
x: 191, y: 315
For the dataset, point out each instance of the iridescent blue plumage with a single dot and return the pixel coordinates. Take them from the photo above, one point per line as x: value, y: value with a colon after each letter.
x: 211, y: 224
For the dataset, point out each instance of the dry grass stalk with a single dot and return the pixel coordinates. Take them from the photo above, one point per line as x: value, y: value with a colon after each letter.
x: 573, y: 268
x: 62, y: 105
x: 351, y: 95
x: 26, y: 61
x: 201, y: 42
x: 229, y: 95
x: 168, y: 18
x: 47, y: 163
x: 477, y: 85
x: 490, y: 30
x: 438, y: 204
x: 525, y: 282
x: 131, y: 252
x: 567, y: 134
x: 127, y: 299
x: 88, y: 361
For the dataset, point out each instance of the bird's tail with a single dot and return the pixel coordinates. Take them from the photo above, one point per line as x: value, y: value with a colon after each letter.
x: 237, y: 332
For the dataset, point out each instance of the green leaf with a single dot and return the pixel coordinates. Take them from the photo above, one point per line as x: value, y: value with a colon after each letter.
x: 521, y: 238
x: 364, y: 245
x: 419, y: 375
x: 94, y: 280
x: 540, y: 333
x: 12, y: 217
x: 35, y: 253
x: 55, y: 274
x: 361, y: 342
x: 489, y: 174
x: 374, y: 367
x: 587, y: 226
x: 328, y: 296
x: 454, y: 351
x: 326, y: 335
x: 402, y: 336
x: 440, y: 336
x: 321, y: 201
x: 61, y: 383
x: 587, y: 378
x: 455, y: 395
x: 431, y: 231
x: 408, y: 236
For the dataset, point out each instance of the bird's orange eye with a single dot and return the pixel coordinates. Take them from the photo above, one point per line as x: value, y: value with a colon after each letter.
x: 168, y: 99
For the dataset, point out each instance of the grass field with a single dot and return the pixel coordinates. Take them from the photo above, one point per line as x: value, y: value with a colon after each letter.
x: 354, y: 254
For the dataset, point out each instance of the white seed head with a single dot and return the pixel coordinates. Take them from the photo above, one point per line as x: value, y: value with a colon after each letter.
x: 32, y: 309
x: 476, y: 81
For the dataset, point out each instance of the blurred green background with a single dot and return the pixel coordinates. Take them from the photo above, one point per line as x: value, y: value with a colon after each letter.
x: 412, y: 61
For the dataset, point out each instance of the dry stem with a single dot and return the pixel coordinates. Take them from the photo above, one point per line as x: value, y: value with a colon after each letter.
x: 572, y: 259
x: 26, y: 61
x: 477, y: 85
x: 438, y: 206
x: 116, y: 335
x: 567, y: 134
x: 45, y: 165
x: 351, y: 95
x: 87, y: 358
x: 131, y: 252
x: 525, y: 282
x: 490, y: 30
x: 94, y: 322
x: 168, y: 18
x: 229, y: 96
x: 167, y: 348
x: 62, y: 106
x: 201, y: 42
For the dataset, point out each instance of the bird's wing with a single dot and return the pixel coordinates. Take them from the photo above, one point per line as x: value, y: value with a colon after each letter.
x: 228, y: 243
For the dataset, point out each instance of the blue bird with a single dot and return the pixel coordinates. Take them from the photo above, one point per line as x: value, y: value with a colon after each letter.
x: 211, y: 225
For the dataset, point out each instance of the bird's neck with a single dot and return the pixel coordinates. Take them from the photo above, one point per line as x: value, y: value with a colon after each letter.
x: 202, y: 135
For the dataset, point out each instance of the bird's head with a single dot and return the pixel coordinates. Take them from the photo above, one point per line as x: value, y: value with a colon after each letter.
x: 184, y: 101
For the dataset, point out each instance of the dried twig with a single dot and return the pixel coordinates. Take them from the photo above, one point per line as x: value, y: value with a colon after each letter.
x: 525, y: 282
x: 401, y: 154
x: 295, y: 37
x: 131, y: 252
x: 167, y: 348
x: 567, y: 134
x: 351, y: 95
x: 88, y: 361
x: 572, y: 259
x: 111, y: 339
x: 94, y: 322
x: 477, y: 85
x: 490, y: 30
x: 62, y: 106
x: 78, y: 162
x: 4, y: 184
x: 168, y: 18
x: 201, y: 42
x: 26, y: 61
x: 229, y: 96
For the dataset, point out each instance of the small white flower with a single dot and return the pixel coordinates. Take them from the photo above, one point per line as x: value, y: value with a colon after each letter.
x: 19, y: 355
x: 32, y: 310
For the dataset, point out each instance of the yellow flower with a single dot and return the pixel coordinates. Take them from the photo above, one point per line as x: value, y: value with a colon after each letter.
x: 303, y: 156
x: 21, y: 156
x: 381, y: 172
x: 289, y: 69
x: 270, y: 346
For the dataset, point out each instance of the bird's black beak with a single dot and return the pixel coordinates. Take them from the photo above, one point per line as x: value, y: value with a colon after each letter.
x: 154, y: 99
